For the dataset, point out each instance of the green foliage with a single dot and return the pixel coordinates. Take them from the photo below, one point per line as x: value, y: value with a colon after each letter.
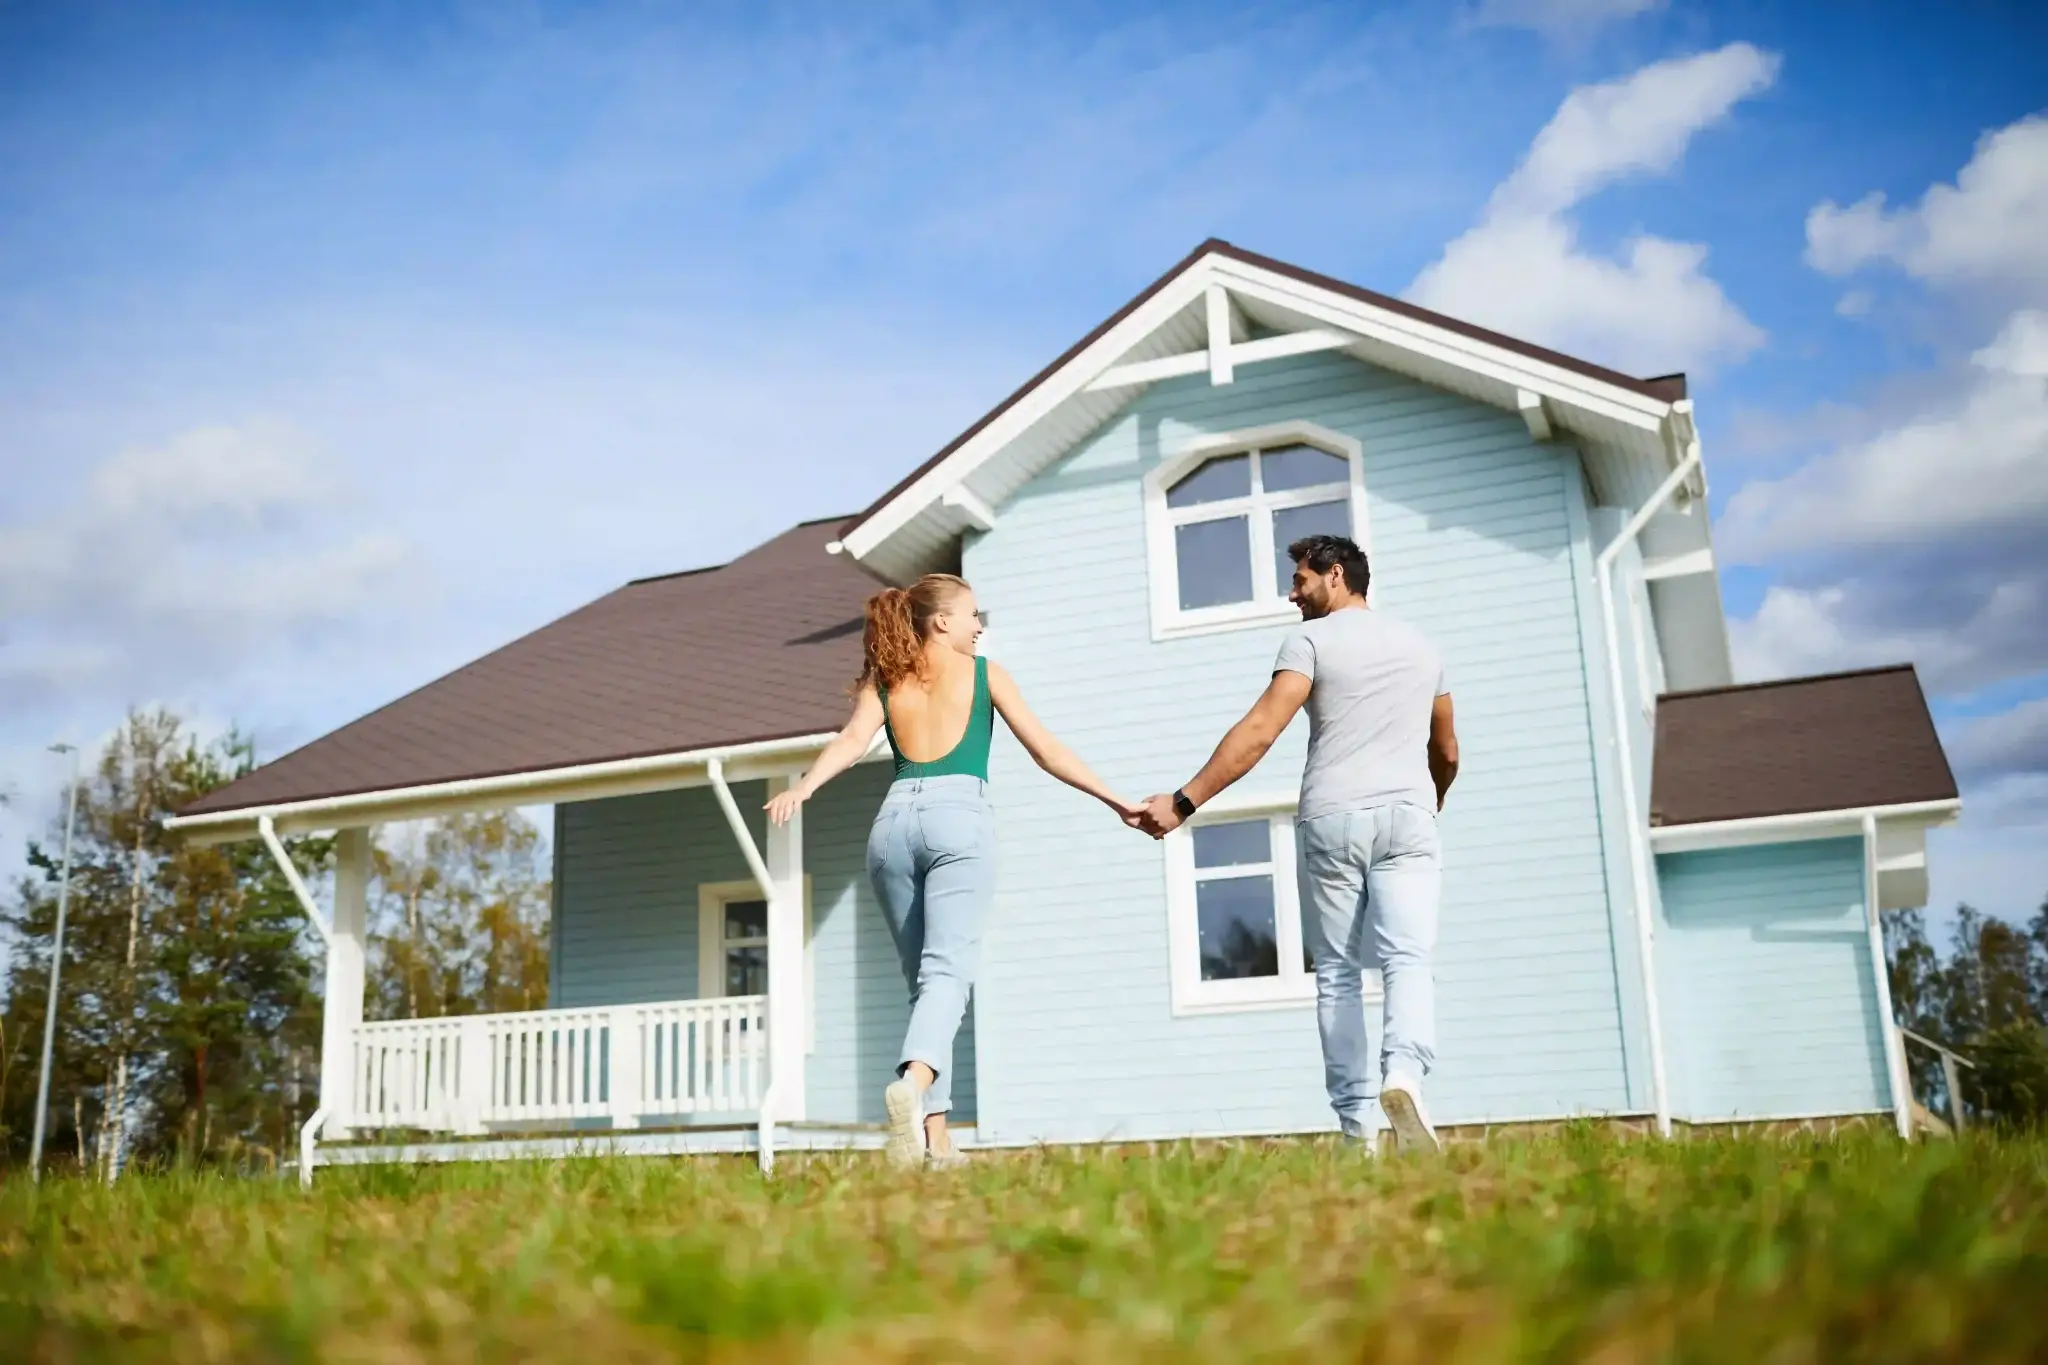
x: 1986, y: 1000
x: 1572, y: 1248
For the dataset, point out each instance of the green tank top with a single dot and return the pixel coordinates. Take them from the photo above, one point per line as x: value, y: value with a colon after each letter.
x: 970, y: 756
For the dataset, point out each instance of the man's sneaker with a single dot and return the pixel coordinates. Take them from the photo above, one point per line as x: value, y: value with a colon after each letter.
x: 945, y: 1161
x: 1401, y: 1102
x: 905, y: 1105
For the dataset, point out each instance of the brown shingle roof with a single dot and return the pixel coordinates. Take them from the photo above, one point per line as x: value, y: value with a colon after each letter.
x: 1668, y: 388
x: 1835, y: 742
x: 759, y: 649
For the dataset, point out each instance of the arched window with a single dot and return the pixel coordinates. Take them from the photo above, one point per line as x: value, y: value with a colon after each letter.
x: 1221, y: 514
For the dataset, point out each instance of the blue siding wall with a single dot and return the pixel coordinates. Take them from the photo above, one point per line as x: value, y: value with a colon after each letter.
x: 1475, y: 531
x: 625, y: 927
x: 1764, y: 964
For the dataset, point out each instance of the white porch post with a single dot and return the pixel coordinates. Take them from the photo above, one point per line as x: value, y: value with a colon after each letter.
x: 342, y: 1012
x: 787, y: 1005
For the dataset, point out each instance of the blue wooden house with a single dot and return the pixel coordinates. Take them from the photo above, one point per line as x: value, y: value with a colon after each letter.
x: 1661, y: 889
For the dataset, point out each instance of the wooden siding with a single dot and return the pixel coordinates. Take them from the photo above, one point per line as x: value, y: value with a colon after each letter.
x: 1473, y: 541
x: 1764, y: 965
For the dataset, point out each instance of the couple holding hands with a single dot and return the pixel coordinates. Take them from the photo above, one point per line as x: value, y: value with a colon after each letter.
x: 1382, y: 754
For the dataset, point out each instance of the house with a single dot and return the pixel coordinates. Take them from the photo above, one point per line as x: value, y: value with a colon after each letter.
x: 1661, y: 889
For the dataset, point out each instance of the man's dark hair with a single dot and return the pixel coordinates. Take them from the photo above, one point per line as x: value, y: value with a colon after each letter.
x: 1322, y: 553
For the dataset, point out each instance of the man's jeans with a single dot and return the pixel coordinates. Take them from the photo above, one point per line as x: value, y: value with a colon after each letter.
x: 1370, y: 880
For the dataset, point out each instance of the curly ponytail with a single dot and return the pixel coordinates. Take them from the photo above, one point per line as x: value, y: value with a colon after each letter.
x: 898, y: 620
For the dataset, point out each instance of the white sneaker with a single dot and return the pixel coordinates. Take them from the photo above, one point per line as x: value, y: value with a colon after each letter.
x: 905, y: 1105
x: 1401, y: 1102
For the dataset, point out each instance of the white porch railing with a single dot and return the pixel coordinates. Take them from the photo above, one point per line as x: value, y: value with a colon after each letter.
x: 623, y: 1063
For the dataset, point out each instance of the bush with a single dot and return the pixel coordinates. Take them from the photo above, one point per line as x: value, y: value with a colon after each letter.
x: 2012, y: 1076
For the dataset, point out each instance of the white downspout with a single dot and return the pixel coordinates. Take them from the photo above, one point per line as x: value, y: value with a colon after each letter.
x: 1888, y: 1027
x: 1640, y: 870
x: 309, y: 1135
x: 758, y: 867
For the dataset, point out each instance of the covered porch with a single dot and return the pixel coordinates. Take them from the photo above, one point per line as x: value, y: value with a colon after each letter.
x: 722, y: 1072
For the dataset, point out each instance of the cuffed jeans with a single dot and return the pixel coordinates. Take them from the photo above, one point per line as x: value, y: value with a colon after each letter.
x: 931, y: 856
x: 1370, y: 880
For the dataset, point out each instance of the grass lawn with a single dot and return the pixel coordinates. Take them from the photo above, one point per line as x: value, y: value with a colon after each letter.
x: 1578, y: 1247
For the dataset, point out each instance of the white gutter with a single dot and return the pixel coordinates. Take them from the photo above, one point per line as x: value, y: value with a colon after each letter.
x: 291, y: 875
x: 758, y: 866
x: 308, y: 1137
x: 1632, y: 817
x: 1707, y: 833
x: 512, y: 788
x: 1888, y: 1026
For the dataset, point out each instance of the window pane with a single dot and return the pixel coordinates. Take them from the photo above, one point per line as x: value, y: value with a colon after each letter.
x: 1215, y: 562
x: 746, y: 971
x: 1228, y: 476
x: 1236, y: 844
x: 746, y: 919
x: 1301, y: 467
x: 1292, y: 523
x: 1234, y: 925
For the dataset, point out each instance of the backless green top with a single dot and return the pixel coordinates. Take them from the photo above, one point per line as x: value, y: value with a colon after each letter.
x: 970, y: 756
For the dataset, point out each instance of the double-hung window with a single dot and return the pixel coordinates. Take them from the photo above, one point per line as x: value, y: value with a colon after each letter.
x: 1234, y: 922
x: 1221, y: 513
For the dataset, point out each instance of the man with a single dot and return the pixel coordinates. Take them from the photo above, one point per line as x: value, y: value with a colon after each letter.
x: 1382, y: 754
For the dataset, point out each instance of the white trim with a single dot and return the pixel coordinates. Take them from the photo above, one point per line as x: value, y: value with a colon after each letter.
x: 979, y: 514
x: 1897, y: 1078
x: 1642, y: 874
x: 1328, y: 310
x: 1533, y: 414
x: 1679, y: 566
x: 1784, y: 829
x: 1169, y: 620
x: 542, y: 786
x: 711, y: 946
x: 1305, y: 342
x: 1218, y: 308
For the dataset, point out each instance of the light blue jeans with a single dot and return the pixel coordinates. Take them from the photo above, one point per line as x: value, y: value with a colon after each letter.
x: 932, y: 858
x: 1370, y: 881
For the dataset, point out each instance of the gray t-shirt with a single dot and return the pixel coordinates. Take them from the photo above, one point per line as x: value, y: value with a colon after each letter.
x: 1373, y: 681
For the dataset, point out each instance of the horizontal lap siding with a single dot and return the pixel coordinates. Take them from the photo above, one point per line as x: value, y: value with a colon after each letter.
x: 1764, y: 961
x: 1471, y: 542
x: 626, y: 924
x: 627, y: 907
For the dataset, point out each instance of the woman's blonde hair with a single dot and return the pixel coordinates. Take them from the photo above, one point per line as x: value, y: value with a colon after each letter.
x: 898, y: 621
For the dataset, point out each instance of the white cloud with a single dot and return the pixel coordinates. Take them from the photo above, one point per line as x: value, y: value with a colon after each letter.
x: 1980, y: 465
x: 179, y: 559
x: 1964, y: 631
x: 1989, y: 228
x: 1652, y: 307
x: 2008, y: 744
x: 1557, y: 18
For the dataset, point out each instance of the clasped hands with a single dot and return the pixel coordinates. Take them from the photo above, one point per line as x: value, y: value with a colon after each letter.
x: 1154, y: 815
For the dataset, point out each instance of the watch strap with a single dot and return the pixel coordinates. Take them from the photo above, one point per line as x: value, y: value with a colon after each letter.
x: 1182, y: 806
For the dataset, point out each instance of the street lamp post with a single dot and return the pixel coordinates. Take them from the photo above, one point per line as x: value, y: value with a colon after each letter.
x: 35, y: 1151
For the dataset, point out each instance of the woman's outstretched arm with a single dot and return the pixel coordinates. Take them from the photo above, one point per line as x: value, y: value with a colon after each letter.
x: 842, y: 753
x: 1051, y: 755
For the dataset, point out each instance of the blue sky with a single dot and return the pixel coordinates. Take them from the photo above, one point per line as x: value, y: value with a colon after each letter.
x: 339, y: 344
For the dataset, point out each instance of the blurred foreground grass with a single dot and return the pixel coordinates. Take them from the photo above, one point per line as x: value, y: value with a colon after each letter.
x: 1579, y: 1247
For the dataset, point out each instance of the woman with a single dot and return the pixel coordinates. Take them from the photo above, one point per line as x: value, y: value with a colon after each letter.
x: 931, y: 853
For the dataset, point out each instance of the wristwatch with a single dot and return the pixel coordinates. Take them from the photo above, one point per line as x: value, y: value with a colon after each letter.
x: 1183, y: 807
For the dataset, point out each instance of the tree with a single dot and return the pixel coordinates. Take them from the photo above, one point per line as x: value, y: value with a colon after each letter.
x: 459, y: 918
x: 1986, y: 1001
x: 187, y: 996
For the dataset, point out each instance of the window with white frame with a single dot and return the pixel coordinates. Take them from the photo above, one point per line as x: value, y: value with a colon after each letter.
x: 732, y: 944
x: 1234, y: 920
x: 1221, y: 513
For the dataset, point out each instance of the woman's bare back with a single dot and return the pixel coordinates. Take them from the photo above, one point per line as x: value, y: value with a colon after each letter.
x: 930, y: 718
